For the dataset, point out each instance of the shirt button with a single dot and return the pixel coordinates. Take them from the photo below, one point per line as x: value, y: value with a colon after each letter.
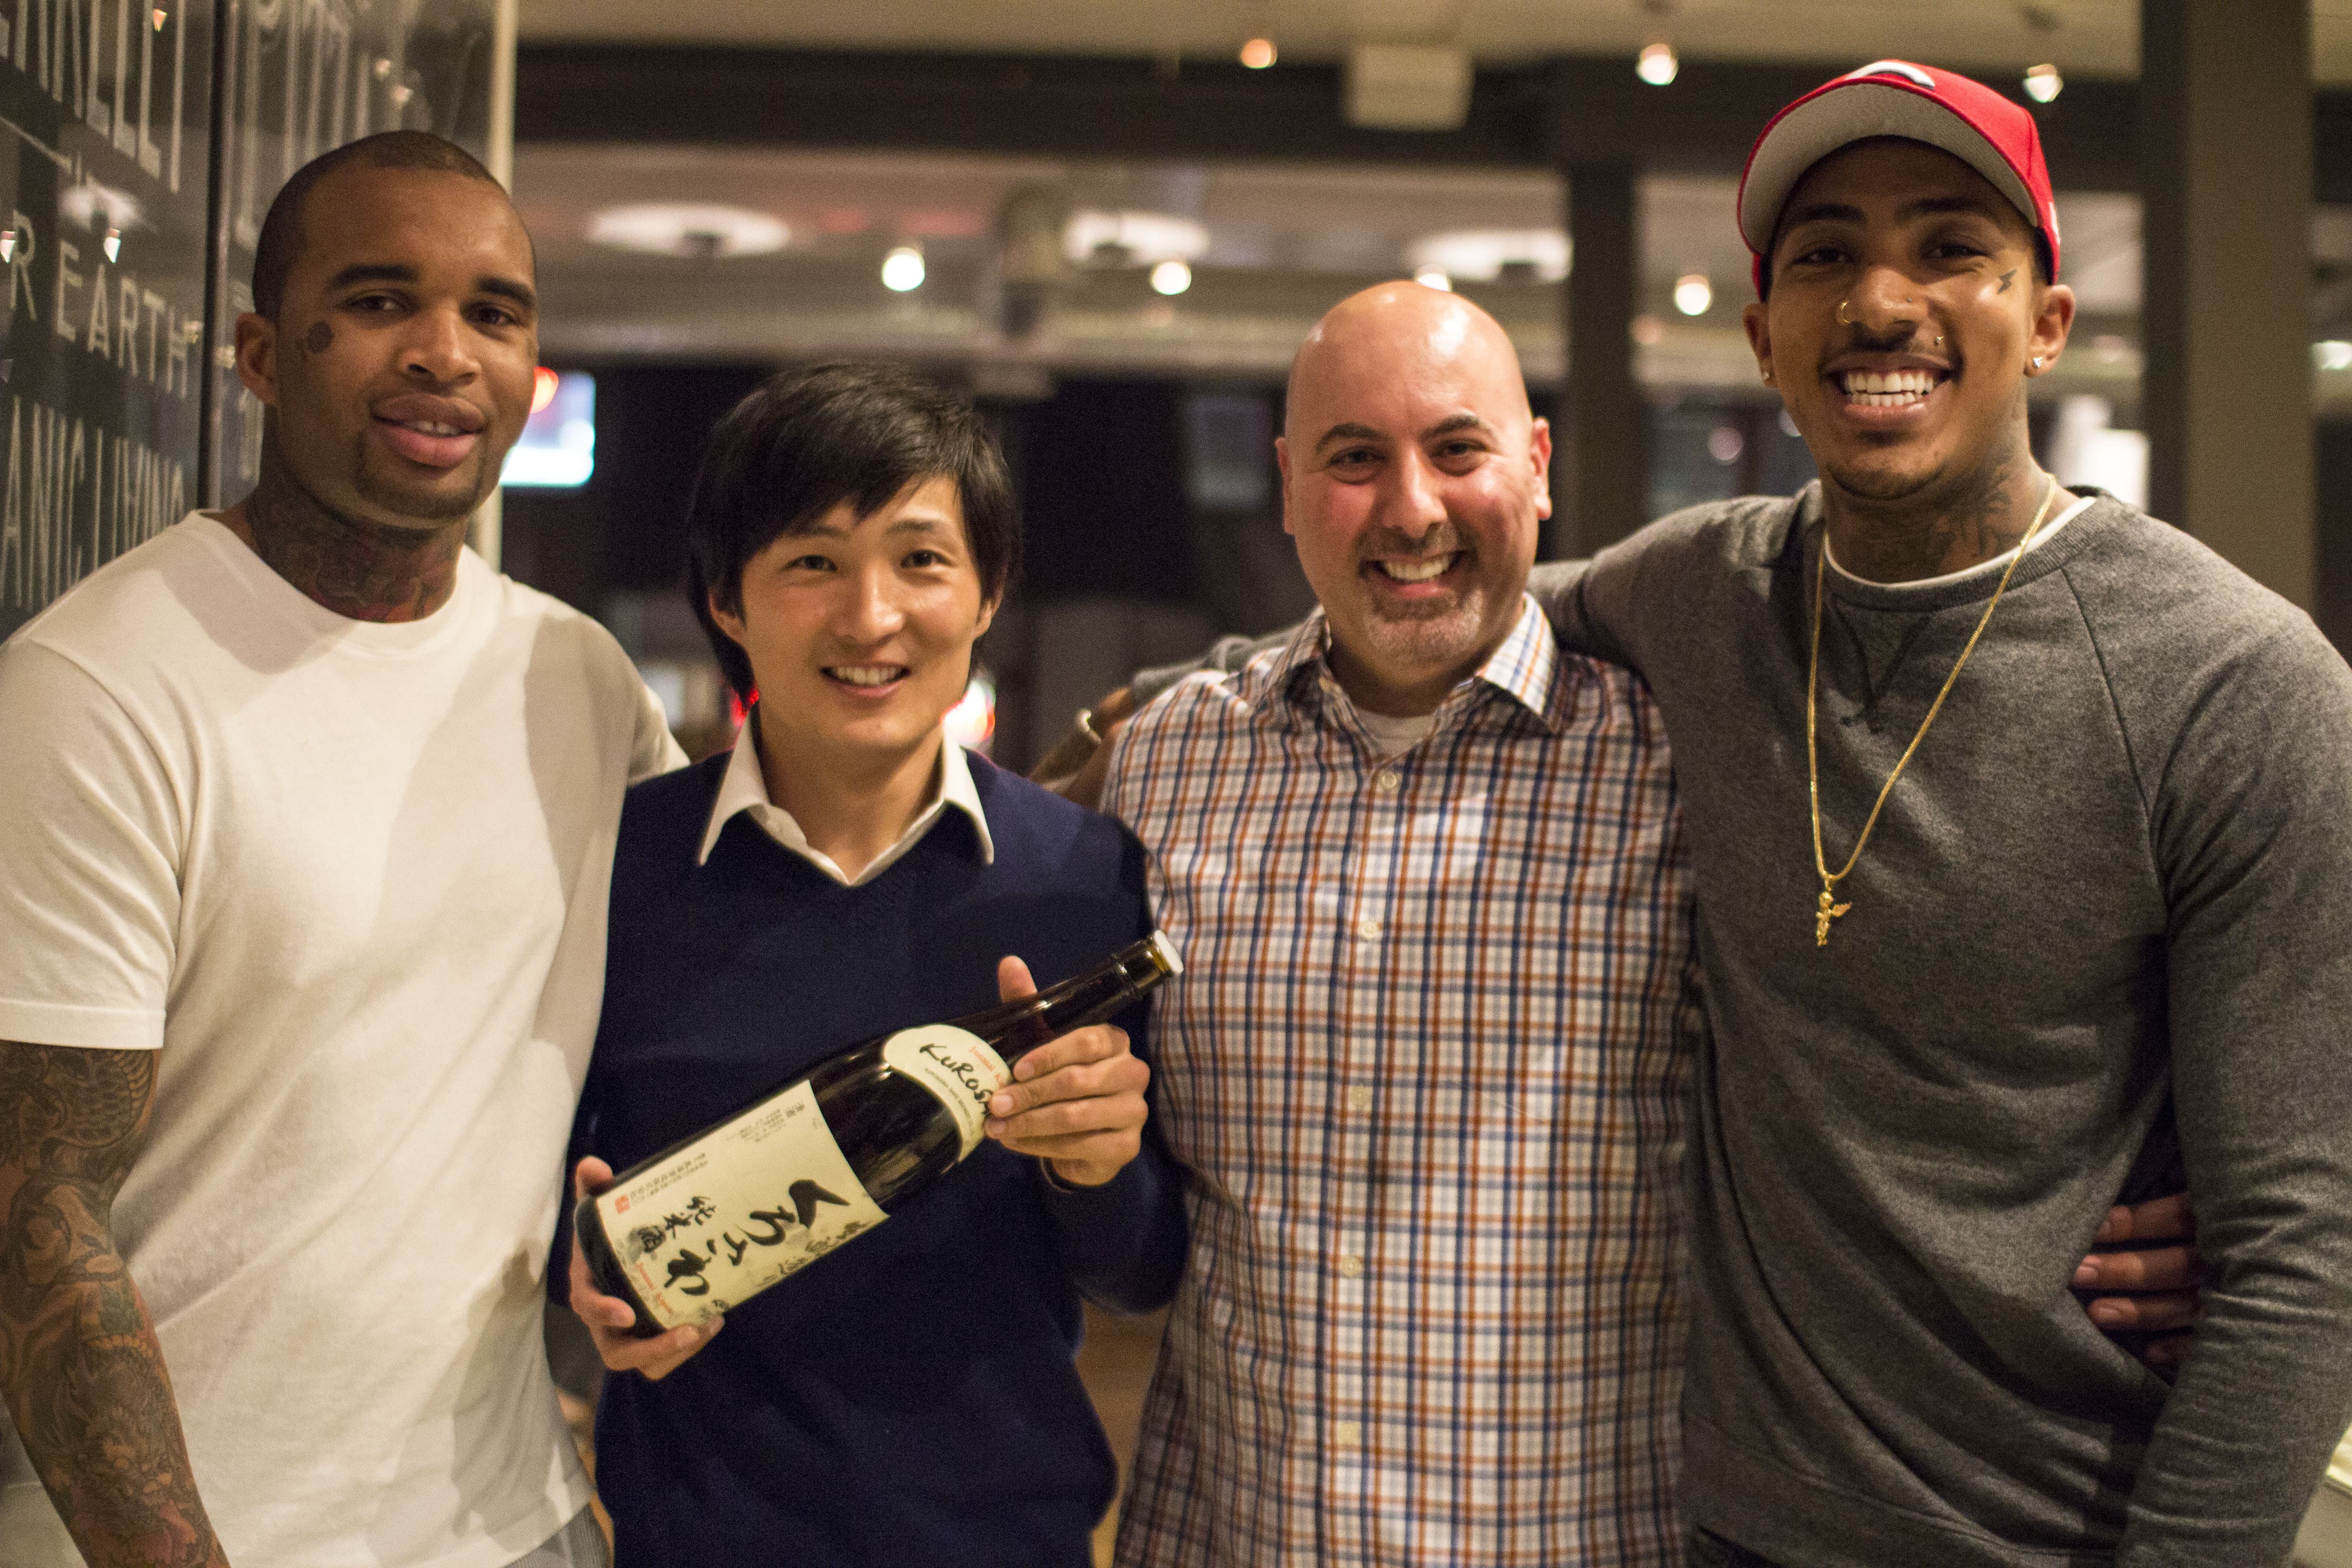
x: 1347, y: 1433
x: 1350, y: 1266
x: 1360, y: 1099
x: 1386, y: 780
x: 1369, y: 928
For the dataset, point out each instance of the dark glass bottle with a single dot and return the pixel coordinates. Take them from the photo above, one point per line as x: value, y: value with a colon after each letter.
x: 722, y: 1215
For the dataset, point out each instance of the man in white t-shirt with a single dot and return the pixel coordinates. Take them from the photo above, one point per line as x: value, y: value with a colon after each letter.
x: 303, y: 866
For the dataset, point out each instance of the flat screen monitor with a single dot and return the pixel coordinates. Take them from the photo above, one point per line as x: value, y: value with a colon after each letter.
x: 559, y: 442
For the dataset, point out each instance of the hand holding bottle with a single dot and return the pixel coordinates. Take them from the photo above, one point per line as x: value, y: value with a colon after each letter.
x: 718, y: 1216
x: 609, y: 1318
x: 1076, y: 1103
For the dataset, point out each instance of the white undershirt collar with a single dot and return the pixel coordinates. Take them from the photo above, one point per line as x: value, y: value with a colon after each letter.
x: 745, y: 788
x: 1981, y: 569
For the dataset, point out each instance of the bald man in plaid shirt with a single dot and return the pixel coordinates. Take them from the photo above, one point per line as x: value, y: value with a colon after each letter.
x: 1428, y: 1061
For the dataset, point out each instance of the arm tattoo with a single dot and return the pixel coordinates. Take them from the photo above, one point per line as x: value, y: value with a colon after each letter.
x: 80, y: 1362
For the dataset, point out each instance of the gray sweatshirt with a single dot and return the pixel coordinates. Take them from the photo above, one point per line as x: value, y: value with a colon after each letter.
x: 2104, y: 925
x: 2102, y: 933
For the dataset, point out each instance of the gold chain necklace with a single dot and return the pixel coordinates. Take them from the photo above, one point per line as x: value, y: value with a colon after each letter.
x: 1828, y: 909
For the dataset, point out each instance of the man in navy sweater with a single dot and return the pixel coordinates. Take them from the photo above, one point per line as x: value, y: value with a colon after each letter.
x: 843, y: 871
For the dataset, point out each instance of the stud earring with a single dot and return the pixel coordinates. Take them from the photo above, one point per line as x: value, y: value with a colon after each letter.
x: 2037, y: 362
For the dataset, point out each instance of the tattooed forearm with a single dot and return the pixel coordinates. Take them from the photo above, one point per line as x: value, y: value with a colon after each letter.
x: 79, y: 1363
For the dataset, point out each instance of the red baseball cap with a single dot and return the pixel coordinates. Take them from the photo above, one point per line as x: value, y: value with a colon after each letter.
x: 1988, y: 133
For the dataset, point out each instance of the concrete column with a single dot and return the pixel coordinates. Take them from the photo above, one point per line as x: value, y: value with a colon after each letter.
x: 2226, y: 138
x: 1601, y: 485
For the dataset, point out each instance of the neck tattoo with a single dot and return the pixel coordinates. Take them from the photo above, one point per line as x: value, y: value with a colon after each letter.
x: 364, y: 570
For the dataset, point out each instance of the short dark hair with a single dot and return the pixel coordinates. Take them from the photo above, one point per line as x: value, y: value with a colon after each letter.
x: 274, y: 254
x: 810, y: 440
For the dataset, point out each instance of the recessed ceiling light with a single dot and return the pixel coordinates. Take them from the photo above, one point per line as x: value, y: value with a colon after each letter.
x: 1434, y: 278
x: 1259, y: 54
x: 2333, y: 353
x: 2043, y: 83
x: 1656, y: 64
x: 703, y: 230
x: 1171, y: 277
x: 1481, y: 255
x: 902, y: 269
x: 1693, y: 294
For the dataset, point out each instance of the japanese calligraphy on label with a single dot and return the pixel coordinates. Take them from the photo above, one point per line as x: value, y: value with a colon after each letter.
x: 955, y: 1065
x: 730, y: 1216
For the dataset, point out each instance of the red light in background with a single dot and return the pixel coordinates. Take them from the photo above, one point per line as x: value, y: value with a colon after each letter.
x: 542, y: 392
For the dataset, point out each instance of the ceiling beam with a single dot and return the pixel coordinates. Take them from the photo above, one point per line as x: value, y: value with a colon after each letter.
x: 1580, y: 110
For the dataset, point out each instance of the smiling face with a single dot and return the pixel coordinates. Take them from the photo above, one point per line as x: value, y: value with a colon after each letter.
x: 860, y: 629
x: 400, y: 366
x: 1413, y: 481
x: 1904, y: 321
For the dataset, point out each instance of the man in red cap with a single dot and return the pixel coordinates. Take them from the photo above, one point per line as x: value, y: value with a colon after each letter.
x: 2021, y: 827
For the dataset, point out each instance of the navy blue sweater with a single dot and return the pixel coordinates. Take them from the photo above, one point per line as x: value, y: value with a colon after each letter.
x: 911, y: 1398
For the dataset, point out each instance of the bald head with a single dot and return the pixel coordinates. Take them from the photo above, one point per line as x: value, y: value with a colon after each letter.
x: 1414, y: 482
x: 1406, y: 329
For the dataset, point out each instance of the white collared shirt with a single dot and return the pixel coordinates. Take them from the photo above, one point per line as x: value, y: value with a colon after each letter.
x: 745, y: 788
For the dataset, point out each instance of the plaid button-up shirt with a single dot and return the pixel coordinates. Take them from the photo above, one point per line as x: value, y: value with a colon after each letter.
x: 1427, y: 1064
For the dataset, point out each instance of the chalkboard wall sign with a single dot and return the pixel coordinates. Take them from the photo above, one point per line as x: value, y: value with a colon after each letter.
x: 144, y: 140
x: 108, y: 118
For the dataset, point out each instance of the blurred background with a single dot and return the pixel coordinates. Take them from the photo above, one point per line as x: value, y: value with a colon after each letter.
x: 1114, y: 224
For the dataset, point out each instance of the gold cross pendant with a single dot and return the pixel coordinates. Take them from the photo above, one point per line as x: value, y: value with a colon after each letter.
x: 1824, y: 913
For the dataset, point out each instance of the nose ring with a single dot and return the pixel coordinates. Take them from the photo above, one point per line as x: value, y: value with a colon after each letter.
x: 1845, y: 320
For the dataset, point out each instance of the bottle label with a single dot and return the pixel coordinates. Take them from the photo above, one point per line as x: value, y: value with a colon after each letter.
x: 734, y: 1212
x: 956, y: 1066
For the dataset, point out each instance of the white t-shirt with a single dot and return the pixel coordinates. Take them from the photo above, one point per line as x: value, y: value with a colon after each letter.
x: 1392, y: 737
x: 350, y: 878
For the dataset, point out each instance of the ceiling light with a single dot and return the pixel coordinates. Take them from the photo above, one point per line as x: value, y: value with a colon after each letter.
x: 2043, y: 83
x: 2333, y: 354
x: 703, y: 230
x: 542, y: 388
x: 1725, y: 443
x: 1435, y: 277
x: 1693, y: 293
x: 1259, y: 54
x: 112, y: 244
x: 1171, y: 276
x: 1657, y: 64
x: 902, y: 269
x: 1133, y: 238
x: 1480, y: 255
